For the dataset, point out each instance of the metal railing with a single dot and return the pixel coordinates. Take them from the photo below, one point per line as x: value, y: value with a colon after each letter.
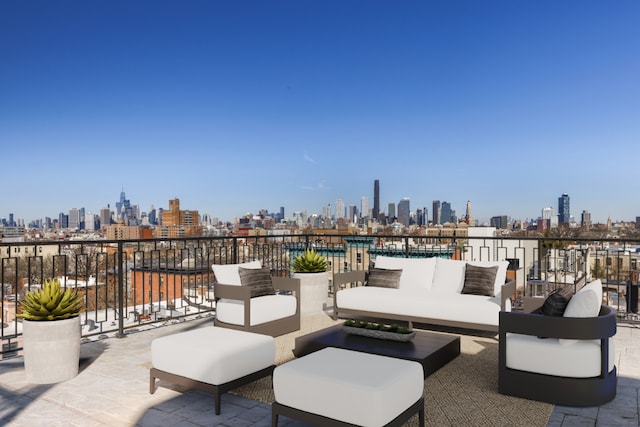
x: 127, y: 284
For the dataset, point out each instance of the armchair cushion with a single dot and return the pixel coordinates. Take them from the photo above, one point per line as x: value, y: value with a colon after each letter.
x: 264, y: 309
x: 479, y: 280
x: 258, y: 280
x: 384, y: 278
x: 228, y: 273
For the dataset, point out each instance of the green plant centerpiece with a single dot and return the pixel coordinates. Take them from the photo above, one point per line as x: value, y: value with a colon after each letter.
x: 392, y: 332
x: 309, y: 261
x: 310, y: 268
x: 51, y: 333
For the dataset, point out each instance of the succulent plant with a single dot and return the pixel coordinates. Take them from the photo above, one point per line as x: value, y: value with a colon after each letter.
x: 51, y: 303
x: 309, y: 262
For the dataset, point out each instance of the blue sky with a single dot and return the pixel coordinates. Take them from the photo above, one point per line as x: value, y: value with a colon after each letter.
x: 237, y: 106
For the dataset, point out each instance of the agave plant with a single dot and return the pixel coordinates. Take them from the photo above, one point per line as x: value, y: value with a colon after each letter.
x: 309, y: 262
x: 51, y: 303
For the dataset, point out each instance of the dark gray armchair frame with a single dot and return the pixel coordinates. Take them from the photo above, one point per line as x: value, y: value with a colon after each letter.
x: 354, y: 278
x: 242, y: 293
x: 554, y: 389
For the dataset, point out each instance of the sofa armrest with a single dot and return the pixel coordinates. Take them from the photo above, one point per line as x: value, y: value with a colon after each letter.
x: 286, y: 284
x: 506, y: 292
x: 236, y: 292
x: 340, y: 279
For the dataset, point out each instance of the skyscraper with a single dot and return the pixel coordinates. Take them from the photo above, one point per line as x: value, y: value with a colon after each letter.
x: 364, y: 207
x: 436, y: 212
x: 445, y: 213
x: 564, y: 214
x: 376, y: 199
x: 468, y: 216
x: 404, y: 211
x: 340, y: 209
x: 74, y: 218
x: 392, y: 211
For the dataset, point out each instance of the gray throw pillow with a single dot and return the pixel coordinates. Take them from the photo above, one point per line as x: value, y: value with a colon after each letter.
x: 258, y: 279
x: 479, y: 280
x: 383, y: 278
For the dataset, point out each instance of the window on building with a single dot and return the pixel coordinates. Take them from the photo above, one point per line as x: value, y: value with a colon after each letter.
x: 359, y: 257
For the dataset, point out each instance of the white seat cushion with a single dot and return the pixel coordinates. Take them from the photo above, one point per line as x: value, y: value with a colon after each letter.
x: 354, y: 387
x: 547, y: 356
x: 228, y: 274
x: 263, y: 309
x: 213, y: 355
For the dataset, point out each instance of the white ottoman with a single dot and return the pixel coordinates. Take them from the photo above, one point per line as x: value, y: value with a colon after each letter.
x: 343, y: 387
x: 213, y: 359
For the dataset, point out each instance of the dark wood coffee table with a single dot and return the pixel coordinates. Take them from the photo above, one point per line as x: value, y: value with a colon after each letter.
x: 432, y: 350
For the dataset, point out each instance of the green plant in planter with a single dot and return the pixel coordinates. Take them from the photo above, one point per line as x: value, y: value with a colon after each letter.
x: 51, y: 303
x: 309, y: 262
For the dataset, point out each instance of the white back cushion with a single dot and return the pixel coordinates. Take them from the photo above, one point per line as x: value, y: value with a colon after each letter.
x: 227, y: 274
x: 417, y: 273
x: 449, y: 276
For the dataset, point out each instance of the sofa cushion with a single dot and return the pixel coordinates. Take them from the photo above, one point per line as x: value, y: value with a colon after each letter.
x: 263, y: 309
x: 384, y: 278
x: 227, y: 274
x: 556, y: 303
x: 449, y: 276
x: 417, y: 273
x: 549, y: 357
x: 479, y: 280
x: 258, y: 280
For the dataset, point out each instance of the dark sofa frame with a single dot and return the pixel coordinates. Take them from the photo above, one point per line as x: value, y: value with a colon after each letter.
x: 242, y: 293
x: 357, y: 278
x: 564, y: 391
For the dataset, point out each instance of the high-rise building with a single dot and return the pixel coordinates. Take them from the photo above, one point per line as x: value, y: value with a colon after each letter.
x: 365, y: 210
x: 586, y: 220
x: 105, y: 217
x: 564, y: 214
x: 392, y: 211
x: 435, y: 211
x: 340, y: 212
x: 445, y: 213
x: 500, y: 222
x: 376, y: 199
x: 353, y: 213
x: 74, y: 219
x: 404, y: 212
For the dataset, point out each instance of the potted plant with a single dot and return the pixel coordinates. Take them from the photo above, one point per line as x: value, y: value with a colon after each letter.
x: 51, y: 333
x: 311, y: 268
x: 392, y: 332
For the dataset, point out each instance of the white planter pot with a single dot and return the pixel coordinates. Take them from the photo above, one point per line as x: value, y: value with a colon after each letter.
x: 51, y: 350
x: 314, y: 291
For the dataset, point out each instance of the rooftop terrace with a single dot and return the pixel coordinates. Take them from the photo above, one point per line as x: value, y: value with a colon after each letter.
x: 112, y: 389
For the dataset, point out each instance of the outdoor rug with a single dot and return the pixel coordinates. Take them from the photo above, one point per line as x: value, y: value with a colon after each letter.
x: 463, y: 392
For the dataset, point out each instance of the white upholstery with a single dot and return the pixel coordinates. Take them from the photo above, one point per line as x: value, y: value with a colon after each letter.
x: 354, y: 387
x: 213, y: 355
x: 417, y: 273
x: 228, y: 274
x: 585, y: 303
x: 263, y: 309
x: 547, y: 356
x: 444, y: 306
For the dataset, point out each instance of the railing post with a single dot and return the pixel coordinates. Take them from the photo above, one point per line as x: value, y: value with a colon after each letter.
x: 120, y: 333
x: 235, y: 250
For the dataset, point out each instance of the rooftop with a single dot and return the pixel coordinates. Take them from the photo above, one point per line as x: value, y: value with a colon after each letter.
x: 112, y: 389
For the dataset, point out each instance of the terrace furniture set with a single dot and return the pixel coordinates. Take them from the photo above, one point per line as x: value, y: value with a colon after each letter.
x: 351, y: 380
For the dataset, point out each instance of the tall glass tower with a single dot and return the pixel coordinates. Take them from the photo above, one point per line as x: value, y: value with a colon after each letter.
x: 563, y: 209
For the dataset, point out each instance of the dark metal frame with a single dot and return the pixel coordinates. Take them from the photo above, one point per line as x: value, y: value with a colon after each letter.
x: 564, y: 391
x: 274, y: 328
x: 216, y: 389
x: 358, y: 277
x: 278, y: 409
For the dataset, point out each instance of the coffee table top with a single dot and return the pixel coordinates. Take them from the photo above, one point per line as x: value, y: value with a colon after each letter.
x: 432, y: 349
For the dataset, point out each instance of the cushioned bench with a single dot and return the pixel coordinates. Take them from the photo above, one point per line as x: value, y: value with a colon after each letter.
x: 341, y: 387
x: 212, y: 359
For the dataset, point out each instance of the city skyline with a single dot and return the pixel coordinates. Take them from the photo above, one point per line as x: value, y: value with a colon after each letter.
x: 235, y: 107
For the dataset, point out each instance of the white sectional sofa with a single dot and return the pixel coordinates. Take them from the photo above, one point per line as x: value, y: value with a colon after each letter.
x: 429, y: 291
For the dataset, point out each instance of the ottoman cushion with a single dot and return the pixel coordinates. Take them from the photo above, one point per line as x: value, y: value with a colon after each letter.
x: 349, y: 386
x: 213, y: 355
